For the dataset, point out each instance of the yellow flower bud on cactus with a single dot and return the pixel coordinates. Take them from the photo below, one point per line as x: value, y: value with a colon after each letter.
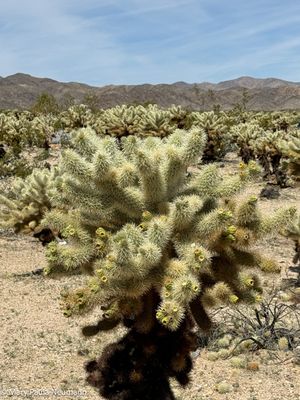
x: 231, y: 229
x: 68, y: 231
x: 233, y: 299
x: 143, y: 226
x: 195, y: 288
x: 67, y: 313
x: 104, y: 279
x: 108, y: 266
x: 165, y: 320
x: 258, y: 298
x: 231, y: 238
x: 147, y: 215
x: 197, y: 252
x: 249, y: 282
x: 99, y: 272
x: 46, y: 271
x: 253, y: 199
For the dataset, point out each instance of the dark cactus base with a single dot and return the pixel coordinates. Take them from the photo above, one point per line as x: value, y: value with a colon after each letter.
x: 139, y: 366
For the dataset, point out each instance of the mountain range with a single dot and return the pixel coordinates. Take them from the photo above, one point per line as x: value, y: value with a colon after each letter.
x: 20, y: 91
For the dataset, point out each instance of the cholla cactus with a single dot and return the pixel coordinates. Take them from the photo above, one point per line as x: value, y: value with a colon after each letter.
x: 24, y: 206
x: 291, y: 151
x: 138, y: 120
x: 244, y: 136
x: 157, y: 122
x: 267, y: 149
x: 120, y: 121
x: 77, y: 116
x: 179, y: 116
x: 293, y: 232
x: 216, y: 131
x: 18, y: 132
x: 161, y: 248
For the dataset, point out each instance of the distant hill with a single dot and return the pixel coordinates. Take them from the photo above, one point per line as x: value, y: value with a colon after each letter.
x: 21, y: 90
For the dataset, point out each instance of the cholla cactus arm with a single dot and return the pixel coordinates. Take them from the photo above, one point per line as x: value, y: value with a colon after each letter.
x: 277, y: 221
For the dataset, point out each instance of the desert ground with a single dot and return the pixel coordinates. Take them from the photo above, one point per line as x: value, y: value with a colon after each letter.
x: 42, y: 353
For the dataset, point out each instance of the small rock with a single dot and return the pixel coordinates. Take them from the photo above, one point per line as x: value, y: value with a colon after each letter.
x: 270, y: 192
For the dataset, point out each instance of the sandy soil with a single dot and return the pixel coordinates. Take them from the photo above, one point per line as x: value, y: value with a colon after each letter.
x: 40, y: 349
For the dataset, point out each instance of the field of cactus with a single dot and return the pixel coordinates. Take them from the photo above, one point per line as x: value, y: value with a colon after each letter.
x: 151, y: 253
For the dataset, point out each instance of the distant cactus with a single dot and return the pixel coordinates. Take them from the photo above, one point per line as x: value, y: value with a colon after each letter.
x: 244, y: 136
x: 292, y: 231
x: 216, y: 132
x: 26, y: 203
x: 291, y: 150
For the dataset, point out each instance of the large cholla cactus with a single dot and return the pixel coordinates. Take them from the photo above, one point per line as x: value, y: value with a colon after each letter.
x: 161, y: 247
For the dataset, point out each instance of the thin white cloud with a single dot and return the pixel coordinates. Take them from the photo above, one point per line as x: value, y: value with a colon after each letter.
x: 135, y: 41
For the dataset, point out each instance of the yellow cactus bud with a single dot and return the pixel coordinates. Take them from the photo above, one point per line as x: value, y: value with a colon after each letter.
x: 165, y: 320
x: 147, y: 215
x: 46, y: 271
x: 195, y: 288
x: 94, y: 288
x: 233, y: 299
x: 108, y: 266
x: 143, y: 226
x: 258, y: 298
x: 104, y: 279
x: 101, y: 233
x: 197, y: 252
x: 231, y: 229
x: 253, y: 199
x: 67, y: 313
x: 231, y: 238
x: 249, y: 282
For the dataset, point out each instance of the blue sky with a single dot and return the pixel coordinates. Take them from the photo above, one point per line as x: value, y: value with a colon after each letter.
x: 103, y: 42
